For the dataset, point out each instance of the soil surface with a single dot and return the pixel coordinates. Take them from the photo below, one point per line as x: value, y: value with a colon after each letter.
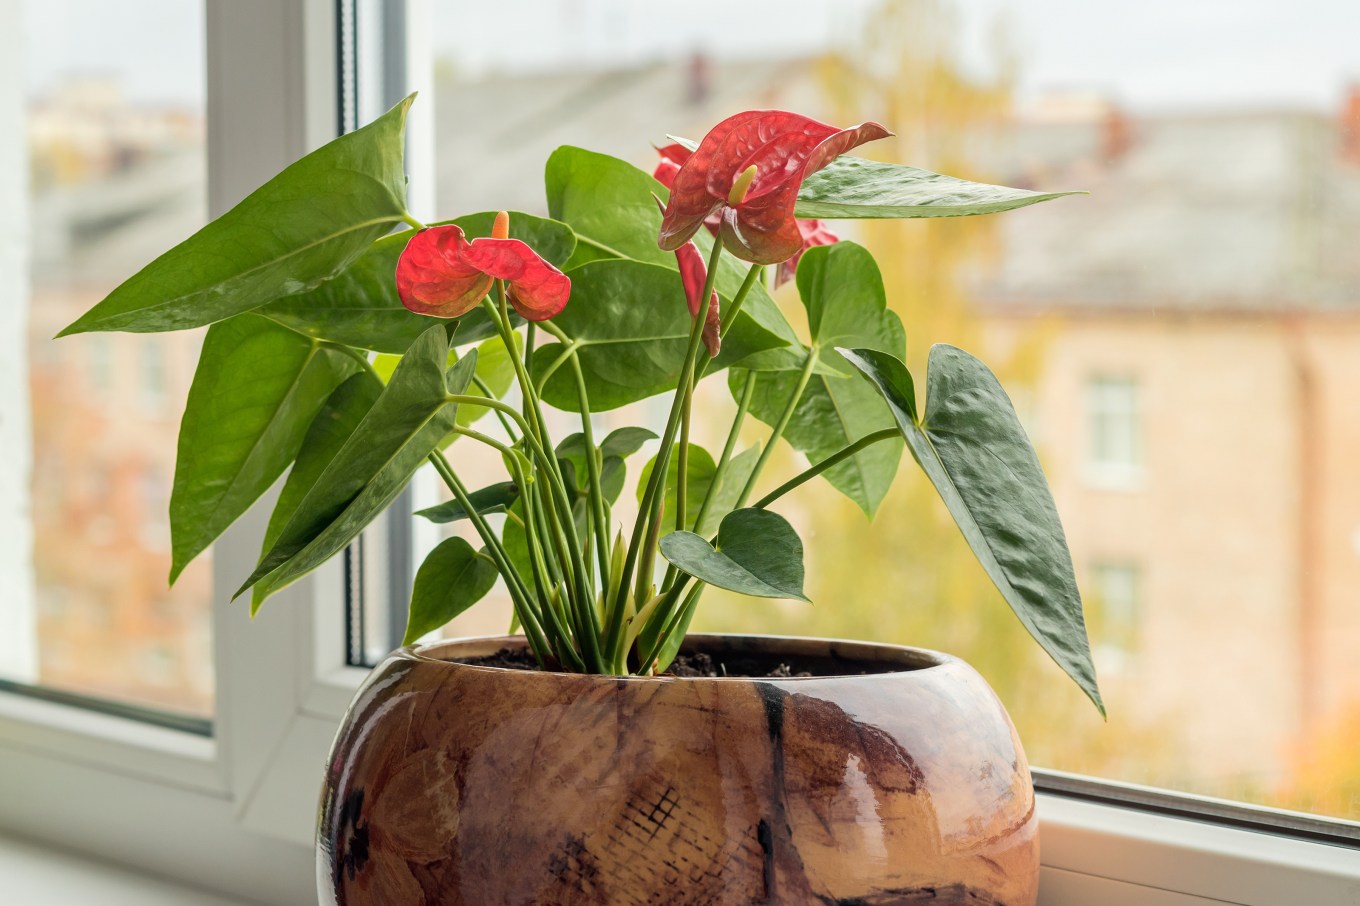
x: 701, y: 664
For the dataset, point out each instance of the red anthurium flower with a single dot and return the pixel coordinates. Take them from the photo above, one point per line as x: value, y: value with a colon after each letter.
x: 441, y: 273
x: 814, y: 232
x: 749, y: 169
x: 673, y: 157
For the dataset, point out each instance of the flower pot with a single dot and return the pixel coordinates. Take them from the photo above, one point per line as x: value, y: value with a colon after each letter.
x: 895, y: 778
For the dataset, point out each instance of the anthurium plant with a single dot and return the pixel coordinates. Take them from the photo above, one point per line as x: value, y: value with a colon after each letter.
x: 350, y: 345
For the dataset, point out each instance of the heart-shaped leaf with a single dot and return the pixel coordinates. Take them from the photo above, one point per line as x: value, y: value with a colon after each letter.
x: 495, y: 498
x: 452, y: 578
x: 405, y: 424
x: 360, y: 307
x: 757, y: 553
x: 852, y: 187
x: 302, y: 227
x: 971, y: 445
x: 630, y: 325
x: 842, y: 290
x: 256, y: 388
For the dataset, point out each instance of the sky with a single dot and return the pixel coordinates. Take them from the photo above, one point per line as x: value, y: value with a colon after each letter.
x: 1148, y: 54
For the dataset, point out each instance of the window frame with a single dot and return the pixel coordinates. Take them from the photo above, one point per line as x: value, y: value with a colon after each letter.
x: 200, y: 809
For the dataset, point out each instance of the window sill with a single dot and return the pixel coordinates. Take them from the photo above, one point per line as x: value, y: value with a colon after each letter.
x: 38, y: 876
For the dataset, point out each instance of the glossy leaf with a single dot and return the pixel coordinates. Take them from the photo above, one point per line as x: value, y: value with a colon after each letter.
x: 494, y: 498
x: 757, y: 553
x: 971, y: 445
x: 256, y: 389
x: 360, y: 306
x: 852, y: 187
x: 302, y: 227
x: 332, y: 427
x: 406, y: 423
x: 609, y: 203
x: 632, y: 327
x: 451, y: 579
x: 843, y: 294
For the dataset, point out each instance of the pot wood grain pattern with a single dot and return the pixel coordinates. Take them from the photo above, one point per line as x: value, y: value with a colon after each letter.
x: 460, y: 785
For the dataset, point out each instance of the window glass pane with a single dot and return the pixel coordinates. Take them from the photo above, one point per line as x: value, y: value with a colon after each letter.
x: 1185, y: 340
x: 103, y: 153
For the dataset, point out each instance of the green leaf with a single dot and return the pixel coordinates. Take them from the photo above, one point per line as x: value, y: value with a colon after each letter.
x: 360, y: 306
x: 757, y: 553
x: 631, y: 326
x: 608, y: 202
x: 495, y: 498
x: 452, y: 579
x: 621, y: 443
x: 972, y: 447
x: 852, y: 187
x: 405, y: 424
x: 335, y: 424
x: 699, y: 473
x: 842, y: 292
x: 302, y: 227
x: 256, y: 388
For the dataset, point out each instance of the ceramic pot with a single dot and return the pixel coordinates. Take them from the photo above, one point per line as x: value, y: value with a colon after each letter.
x: 899, y: 781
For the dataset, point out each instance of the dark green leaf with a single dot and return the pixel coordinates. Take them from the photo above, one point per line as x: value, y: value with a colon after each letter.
x: 360, y: 306
x: 608, y: 202
x: 852, y: 187
x: 625, y: 441
x: 758, y: 553
x: 300, y: 228
x: 493, y: 498
x: 256, y: 389
x: 405, y: 424
x: 631, y: 326
x: 699, y: 471
x: 452, y: 579
x: 333, y: 426
x: 972, y: 447
x: 846, y: 306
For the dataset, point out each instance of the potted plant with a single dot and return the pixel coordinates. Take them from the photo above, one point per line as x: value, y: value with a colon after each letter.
x: 604, y: 755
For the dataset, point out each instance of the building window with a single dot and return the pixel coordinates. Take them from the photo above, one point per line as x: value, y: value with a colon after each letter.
x: 1114, y: 443
x: 1115, y: 598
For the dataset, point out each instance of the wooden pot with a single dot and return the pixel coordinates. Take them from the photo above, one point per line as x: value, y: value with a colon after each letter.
x: 900, y: 781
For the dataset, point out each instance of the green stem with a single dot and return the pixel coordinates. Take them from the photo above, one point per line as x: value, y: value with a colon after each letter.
x: 601, y: 519
x: 821, y: 466
x: 653, y: 496
x: 579, y: 588
x: 733, y: 309
x: 500, y: 416
x: 673, y: 624
x: 519, y: 595
x: 406, y: 216
x: 778, y: 431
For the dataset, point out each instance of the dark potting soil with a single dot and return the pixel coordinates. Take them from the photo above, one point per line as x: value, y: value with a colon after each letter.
x: 700, y: 664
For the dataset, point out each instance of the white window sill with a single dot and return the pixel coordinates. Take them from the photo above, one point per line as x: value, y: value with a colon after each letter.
x: 38, y: 876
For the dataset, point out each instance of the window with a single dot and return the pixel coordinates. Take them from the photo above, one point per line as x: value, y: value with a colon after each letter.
x: 1115, y: 445
x: 199, y: 808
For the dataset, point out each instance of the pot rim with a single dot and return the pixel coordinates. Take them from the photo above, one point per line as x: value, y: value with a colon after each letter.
x: 907, y: 659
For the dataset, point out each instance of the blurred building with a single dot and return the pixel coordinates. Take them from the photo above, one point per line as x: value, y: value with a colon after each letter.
x: 112, y: 185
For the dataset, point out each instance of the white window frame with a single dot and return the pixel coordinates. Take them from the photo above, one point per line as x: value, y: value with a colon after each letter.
x: 234, y: 813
